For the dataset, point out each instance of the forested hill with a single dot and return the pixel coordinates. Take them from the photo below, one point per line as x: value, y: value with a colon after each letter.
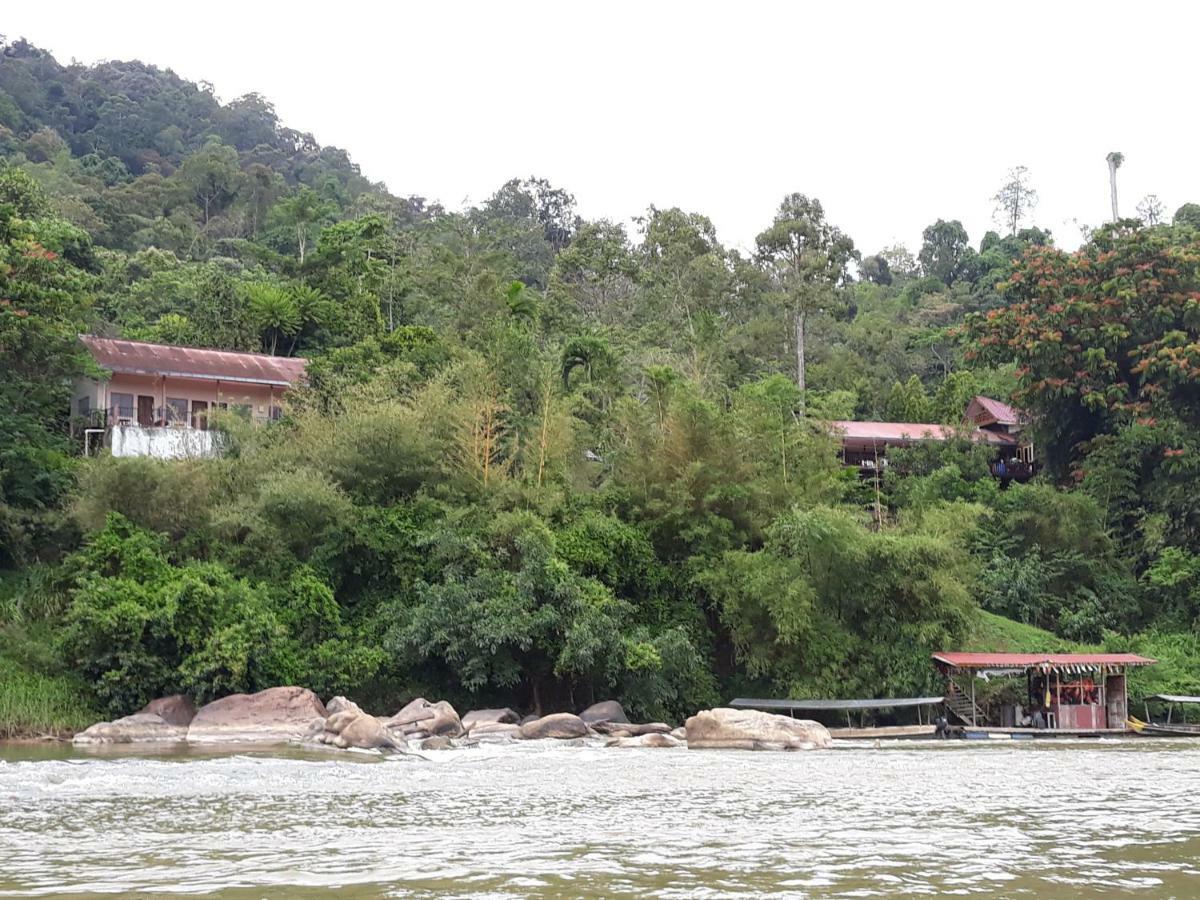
x: 541, y: 459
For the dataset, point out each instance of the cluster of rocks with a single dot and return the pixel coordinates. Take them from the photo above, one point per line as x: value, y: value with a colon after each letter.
x: 297, y: 715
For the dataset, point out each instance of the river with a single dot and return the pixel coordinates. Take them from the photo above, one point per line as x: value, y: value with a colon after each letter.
x: 1030, y: 818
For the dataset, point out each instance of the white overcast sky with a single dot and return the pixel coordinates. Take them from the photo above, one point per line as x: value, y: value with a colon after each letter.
x: 893, y: 114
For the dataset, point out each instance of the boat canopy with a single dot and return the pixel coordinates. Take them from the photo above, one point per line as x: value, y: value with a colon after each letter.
x: 1174, y: 698
x: 816, y: 705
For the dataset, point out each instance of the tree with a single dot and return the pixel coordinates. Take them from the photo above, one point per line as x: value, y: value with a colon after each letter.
x: 875, y: 269
x: 274, y: 311
x: 808, y: 257
x: 1015, y: 199
x: 1101, y: 338
x: 945, y: 248
x: 1188, y: 214
x: 300, y: 214
x: 212, y: 178
x: 1150, y: 210
x: 1114, y: 161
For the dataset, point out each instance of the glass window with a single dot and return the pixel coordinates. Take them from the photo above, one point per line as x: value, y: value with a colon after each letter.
x: 176, y: 411
x: 121, y: 406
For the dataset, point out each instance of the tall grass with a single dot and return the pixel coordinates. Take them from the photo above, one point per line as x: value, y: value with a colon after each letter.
x: 37, y: 695
x: 34, y: 705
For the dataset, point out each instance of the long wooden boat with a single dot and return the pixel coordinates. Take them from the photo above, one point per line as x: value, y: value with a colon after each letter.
x: 1158, y: 729
x: 885, y: 732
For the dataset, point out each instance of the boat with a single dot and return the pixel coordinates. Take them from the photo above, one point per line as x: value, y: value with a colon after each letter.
x: 926, y: 709
x: 1150, y: 728
x: 1155, y: 729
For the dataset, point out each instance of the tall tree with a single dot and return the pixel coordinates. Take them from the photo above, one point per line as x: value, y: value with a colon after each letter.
x: 944, y: 248
x: 1015, y: 199
x: 1114, y: 161
x: 808, y: 258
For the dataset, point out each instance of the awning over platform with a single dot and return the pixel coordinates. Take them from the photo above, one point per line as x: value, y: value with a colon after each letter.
x: 817, y: 705
x: 1070, y: 662
x: 1174, y: 698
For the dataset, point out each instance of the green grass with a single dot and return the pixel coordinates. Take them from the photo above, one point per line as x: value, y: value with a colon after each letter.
x: 37, y: 697
x: 997, y: 634
x: 33, y: 704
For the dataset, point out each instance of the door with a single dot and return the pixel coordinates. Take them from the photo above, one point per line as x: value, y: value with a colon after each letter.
x: 145, y: 411
x: 200, y: 414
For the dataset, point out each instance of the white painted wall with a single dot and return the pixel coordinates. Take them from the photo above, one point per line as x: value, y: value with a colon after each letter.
x: 164, y: 443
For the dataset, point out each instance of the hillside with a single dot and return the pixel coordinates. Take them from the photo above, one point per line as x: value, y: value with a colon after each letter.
x: 541, y: 460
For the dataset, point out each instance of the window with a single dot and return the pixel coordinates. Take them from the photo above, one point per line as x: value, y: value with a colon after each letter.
x: 176, y: 412
x: 200, y: 414
x: 83, y: 406
x: 121, y: 407
x: 276, y: 413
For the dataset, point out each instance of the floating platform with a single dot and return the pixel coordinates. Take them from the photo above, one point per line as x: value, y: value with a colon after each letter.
x: 981, y: 733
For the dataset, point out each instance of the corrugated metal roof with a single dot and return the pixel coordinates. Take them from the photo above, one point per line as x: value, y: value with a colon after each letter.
x: 998, y: 412
x: 897, y: 432
x: 1033, y: 660
x: 1174, y: 698
x: 886, y: 703
x: 144, y: 358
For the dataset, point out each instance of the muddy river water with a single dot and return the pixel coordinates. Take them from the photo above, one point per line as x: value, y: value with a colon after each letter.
x: 1101, y: 818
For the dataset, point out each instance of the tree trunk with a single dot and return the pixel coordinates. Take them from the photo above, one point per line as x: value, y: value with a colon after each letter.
x: 800, y: 323
x: 1112, y: 189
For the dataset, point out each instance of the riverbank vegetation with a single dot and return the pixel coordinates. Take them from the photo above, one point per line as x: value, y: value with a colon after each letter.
x: 542, y: 460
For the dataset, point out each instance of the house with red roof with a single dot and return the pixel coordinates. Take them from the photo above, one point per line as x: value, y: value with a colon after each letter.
x: 986, y: 421
x: 157, y: 399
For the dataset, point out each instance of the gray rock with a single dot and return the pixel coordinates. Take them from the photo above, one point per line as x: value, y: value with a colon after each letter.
x: 437, y: 742
x: 337, y: 704
x: 680, y: 733
x: 749, y: 729
x: 558, y: 725
x: 174, y: 710
x: 275, y: 715
x: 489, y: 716
x: 431, y: 718
x: 499, y: 728
x: 142, y: 727
x: 525, y: 720
x: 604, y: 711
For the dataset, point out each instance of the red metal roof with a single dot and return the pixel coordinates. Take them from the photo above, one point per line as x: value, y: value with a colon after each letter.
x: 1000, y: 413
x: 143, y: 358
x: 1030, y: 660
x: 906, y: 432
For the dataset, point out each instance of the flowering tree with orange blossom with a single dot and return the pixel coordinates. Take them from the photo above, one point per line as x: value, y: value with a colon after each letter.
x: 1106, y: 342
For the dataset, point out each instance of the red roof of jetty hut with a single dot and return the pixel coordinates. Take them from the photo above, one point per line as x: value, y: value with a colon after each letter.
x: 1033, y: 660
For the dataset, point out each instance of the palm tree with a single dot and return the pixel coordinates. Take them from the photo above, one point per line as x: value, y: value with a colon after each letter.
x: 274, y: 312
x: 1114, y: 162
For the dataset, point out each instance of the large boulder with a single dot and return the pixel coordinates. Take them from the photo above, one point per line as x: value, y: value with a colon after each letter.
x: 174, y: 710
x: 750, y: 729
x: 489, y: 716
x: 422, y: 717
x: 558, y: 725
x: 496, y: 729
x: 339, y: 703
x: 275, y: 715
x: 604, y: 711
x: 142, y: 727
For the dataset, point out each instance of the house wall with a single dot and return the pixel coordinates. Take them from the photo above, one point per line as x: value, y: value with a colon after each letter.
x: 258, y: 397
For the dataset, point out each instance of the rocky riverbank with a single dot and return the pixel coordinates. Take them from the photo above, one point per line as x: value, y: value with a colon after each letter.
x: 295, y: 715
